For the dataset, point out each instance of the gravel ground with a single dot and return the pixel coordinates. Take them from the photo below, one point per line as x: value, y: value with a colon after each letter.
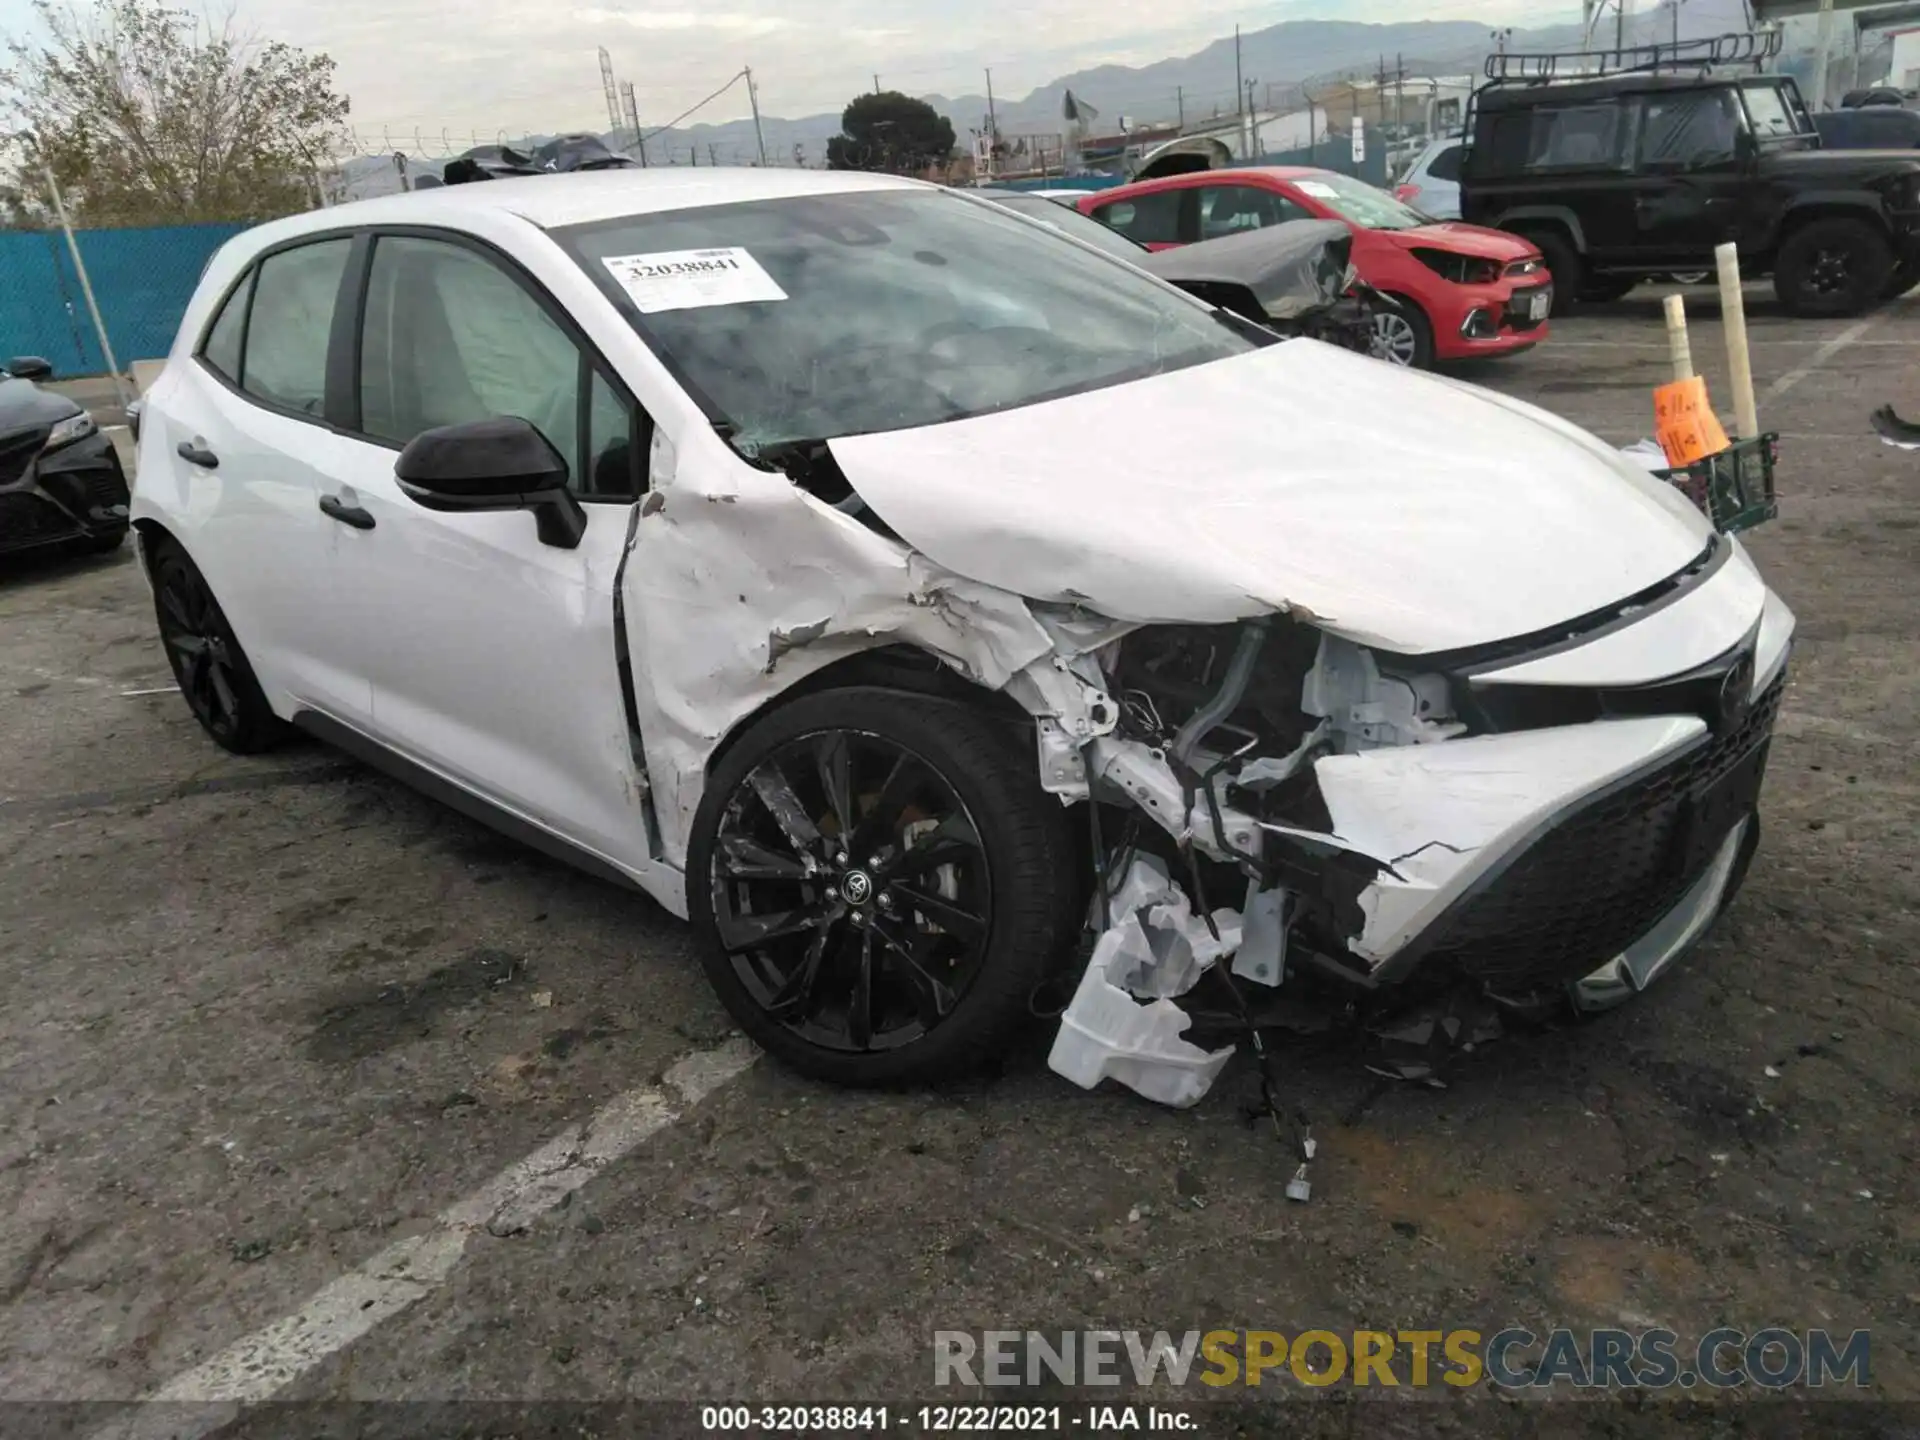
x: 268, y: 1017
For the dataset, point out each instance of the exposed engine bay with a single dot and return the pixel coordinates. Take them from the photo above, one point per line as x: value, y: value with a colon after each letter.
x: 1285, y: 804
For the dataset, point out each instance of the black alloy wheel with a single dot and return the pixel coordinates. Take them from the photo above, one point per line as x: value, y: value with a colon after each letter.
x: 874, y: 878
x: 1833, y: 268
x: 211, y: 669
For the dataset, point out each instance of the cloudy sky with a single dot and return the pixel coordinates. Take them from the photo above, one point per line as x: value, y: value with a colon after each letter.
x: 529, y: 65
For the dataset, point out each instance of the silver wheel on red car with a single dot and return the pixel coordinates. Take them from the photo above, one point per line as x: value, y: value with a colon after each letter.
x: 1400, y: 336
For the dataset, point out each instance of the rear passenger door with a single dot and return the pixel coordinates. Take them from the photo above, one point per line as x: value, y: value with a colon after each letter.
x: 495, y: 664
x: 246, y: 440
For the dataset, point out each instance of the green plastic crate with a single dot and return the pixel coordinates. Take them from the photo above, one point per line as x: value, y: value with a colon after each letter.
x: 1734, y: 489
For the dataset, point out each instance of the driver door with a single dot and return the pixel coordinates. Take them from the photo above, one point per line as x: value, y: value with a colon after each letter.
x: 495, y: 663
x: 1689, y: 180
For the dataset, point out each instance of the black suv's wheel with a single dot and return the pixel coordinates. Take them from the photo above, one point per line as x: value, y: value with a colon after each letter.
x: 207, y: 661
x: 879, y: 884
x: 1569, y: 271
x: 1833, y: 267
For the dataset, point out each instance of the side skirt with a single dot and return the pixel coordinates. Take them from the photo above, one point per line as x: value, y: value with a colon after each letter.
x: 438, y: 787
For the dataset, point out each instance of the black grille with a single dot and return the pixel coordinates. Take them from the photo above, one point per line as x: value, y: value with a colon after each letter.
x: 1519, y: 310
x: 27, y: 520
x: 1602, y: 878
x: 17, y: 452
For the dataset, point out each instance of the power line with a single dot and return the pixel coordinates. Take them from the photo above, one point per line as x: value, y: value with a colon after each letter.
x: 692, y: 108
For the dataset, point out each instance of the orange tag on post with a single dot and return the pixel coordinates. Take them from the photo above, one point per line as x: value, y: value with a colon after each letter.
x: 1684, y: 422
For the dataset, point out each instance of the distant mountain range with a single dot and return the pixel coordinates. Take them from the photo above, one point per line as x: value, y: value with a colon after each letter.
x: 1279, y: 59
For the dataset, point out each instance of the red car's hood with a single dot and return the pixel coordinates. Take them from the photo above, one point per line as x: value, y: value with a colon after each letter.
x: 1474, y: 240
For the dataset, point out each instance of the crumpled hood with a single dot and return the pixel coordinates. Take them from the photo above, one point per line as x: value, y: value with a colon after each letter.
x: 1400, y: 510
x: 1291, y: 268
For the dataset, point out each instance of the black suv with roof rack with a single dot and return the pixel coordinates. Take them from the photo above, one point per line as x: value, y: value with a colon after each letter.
x: 1629, y: 164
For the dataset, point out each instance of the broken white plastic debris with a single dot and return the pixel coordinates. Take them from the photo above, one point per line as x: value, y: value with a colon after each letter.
x: 1299, y: 1187
x: 1155, y: 947
x: 1179, y: 945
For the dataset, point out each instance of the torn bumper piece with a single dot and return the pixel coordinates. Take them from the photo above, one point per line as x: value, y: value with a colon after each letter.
x: 1155, y: 947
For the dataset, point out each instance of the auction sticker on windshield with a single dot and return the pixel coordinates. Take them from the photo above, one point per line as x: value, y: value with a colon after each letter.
x: 689, y: 279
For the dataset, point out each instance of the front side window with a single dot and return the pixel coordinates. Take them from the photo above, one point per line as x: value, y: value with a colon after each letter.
x: 1690, y: 130
x: 1771, y: 113
x: 816, y: 317
x: 1230, y: 209
x: 451, y: 337
x: 290, y: 323
x: 1146, y: 219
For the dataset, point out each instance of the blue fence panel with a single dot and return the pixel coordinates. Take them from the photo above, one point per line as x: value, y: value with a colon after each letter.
x: 142, y: 279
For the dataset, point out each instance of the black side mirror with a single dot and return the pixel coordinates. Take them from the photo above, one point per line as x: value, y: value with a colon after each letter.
x: 29, y: 367
x: 503, y: 463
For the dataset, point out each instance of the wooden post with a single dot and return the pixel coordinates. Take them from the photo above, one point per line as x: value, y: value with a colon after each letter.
x: 1678, y: 345
x: 1739, y: 358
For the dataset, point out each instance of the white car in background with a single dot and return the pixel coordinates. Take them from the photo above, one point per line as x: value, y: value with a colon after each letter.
x: 896, y: 587
x: 1431, y: 183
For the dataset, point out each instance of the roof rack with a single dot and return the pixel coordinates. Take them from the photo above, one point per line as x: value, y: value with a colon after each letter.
x: 1753, y: 47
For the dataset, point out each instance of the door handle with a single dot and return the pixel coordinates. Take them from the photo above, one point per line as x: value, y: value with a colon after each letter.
x: 338, y: 509
x: 197, y: 455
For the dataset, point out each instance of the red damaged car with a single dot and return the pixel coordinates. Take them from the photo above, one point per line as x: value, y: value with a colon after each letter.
x: 1463, y: 291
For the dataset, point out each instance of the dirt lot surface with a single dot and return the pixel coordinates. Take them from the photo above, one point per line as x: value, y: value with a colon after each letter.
x: 268, y: 1020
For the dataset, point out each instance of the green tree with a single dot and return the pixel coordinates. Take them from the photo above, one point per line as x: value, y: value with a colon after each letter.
x: 149, y: 115
x: 890, y: 131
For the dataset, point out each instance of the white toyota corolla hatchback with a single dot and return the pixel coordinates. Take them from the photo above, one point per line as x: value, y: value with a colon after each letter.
x: 932, y: 609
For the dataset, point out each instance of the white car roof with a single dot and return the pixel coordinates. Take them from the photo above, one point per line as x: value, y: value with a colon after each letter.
x: 550, y: 201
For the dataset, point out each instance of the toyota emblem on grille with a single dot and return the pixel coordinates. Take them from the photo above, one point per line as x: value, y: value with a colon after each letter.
x: 1736, y: 694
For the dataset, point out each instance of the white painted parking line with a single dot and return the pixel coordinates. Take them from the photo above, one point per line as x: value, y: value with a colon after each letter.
x: 157, y: 690
x: 257, y: 1368
x: 1850, y: 336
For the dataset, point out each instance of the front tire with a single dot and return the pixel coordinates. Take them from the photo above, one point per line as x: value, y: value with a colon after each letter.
x: 1402, y: 335
x: 210, y: 667
x: 1833, y: 268
x: 879, y: 885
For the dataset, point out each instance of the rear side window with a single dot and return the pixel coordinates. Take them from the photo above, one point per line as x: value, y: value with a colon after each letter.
x: 289, y: 325
x: 1148, y: 219
x: 1578, y: 137
x: 1446, y: 165
x: 222, y: 348
x: 1690, y: 130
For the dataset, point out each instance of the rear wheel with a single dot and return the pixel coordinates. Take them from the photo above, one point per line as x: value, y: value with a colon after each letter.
x: 1564, y: 263
x: 1402, y: 336
x: 880, y: 885
x: 208, y: 663
x: 1831, y: 268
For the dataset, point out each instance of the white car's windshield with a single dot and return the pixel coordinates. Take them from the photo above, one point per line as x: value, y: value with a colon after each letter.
x: 1069, y: 221
x: 1361, y: 203
x: 823, y: 316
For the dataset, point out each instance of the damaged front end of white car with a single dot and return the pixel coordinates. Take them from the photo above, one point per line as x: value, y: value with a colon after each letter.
x: 1095, y: 642
x: 1519, y: 780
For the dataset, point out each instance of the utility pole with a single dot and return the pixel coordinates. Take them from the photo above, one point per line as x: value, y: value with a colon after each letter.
x: 1253, y: 123
x: 876, y: 84
x: 1400, y: 92
x: 993, y: 121
x: 753, y: 99
x: 1180, y: 99
x: 1620, y: 25
x: 1239, y: 93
